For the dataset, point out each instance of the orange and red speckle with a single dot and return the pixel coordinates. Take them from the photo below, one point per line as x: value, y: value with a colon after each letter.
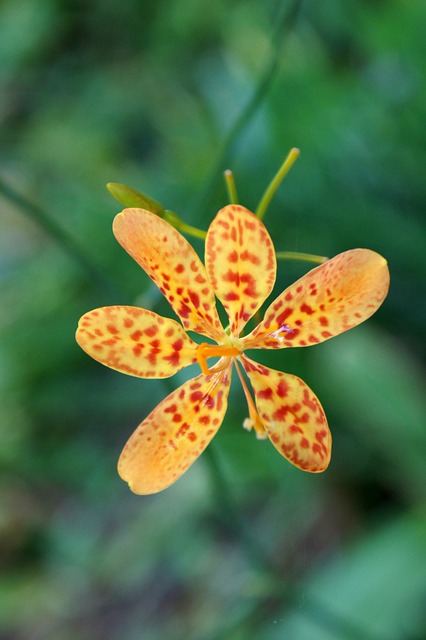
x: 132, y: 349
x: 168, y: 441
x: 138, y: 231
x: 282, y: 389
x: 305, y: 308
x: 291, y: 418
x: 338, y: 294
x: 240, y: 271
x: 233, y: 267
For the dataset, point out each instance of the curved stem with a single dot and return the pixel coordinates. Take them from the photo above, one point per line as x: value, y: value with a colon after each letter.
x: 298, y: 255
x: 180, y: 225
x: 276, y: 181
x: 231, y: 186
x: 229, y: 512
x: 42, y: 218
x: 228, y: 147
x: 280, y: 592
x: 192, y: 231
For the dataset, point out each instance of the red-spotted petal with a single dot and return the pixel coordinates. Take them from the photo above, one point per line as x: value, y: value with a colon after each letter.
x: 240, y: 262
x: 330, y: 299
x: 292, y: 417
x: 135, y: 341
x: 171, y: 262
x: 172, y: 437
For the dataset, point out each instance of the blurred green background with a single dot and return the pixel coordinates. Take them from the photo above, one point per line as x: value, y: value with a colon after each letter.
x: 164, y: 96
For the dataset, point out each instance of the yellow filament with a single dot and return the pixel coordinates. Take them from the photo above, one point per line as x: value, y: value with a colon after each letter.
x: 205, y: 351
x: 253, y: 421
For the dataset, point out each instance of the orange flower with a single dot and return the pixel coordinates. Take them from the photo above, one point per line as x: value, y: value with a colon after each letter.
x: 240, y: 270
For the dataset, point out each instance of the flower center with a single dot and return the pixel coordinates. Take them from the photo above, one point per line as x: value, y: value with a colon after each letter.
x: 205, y: 351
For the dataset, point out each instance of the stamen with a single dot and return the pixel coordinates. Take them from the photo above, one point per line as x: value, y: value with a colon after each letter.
x: 205, y: 351
x: 253, y: 421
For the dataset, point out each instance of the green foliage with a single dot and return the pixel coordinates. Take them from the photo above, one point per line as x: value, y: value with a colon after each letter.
x: 164, y: 96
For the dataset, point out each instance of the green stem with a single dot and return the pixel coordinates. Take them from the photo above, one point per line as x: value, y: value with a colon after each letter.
x: 228, y: 148
x: 275, y: 182
x: 180, y: 225
x: 280, y: 593
x: 45, y: 221
x: 192, y: 231
x: 298, y: 255
x: 229, y: 512
x: 231, y: 186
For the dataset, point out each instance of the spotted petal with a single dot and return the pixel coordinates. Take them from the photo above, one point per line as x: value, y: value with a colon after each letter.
x: 171, y: 262
x: 135, y: 341
x: 240, y: 262
x: 172, y: 437
x: 292, y: 417
x: 328, y: 300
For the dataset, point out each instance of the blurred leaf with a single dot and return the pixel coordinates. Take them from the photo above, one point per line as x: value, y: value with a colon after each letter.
x: 376, y: 586
x: 375, y: 387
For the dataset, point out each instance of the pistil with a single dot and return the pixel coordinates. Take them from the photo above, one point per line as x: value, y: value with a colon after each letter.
x: 205, y: 351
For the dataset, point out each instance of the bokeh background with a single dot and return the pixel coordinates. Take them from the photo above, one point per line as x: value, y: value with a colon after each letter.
x: 164, y: 96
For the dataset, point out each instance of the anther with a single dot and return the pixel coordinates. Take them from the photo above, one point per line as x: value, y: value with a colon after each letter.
x: 254, y: 421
